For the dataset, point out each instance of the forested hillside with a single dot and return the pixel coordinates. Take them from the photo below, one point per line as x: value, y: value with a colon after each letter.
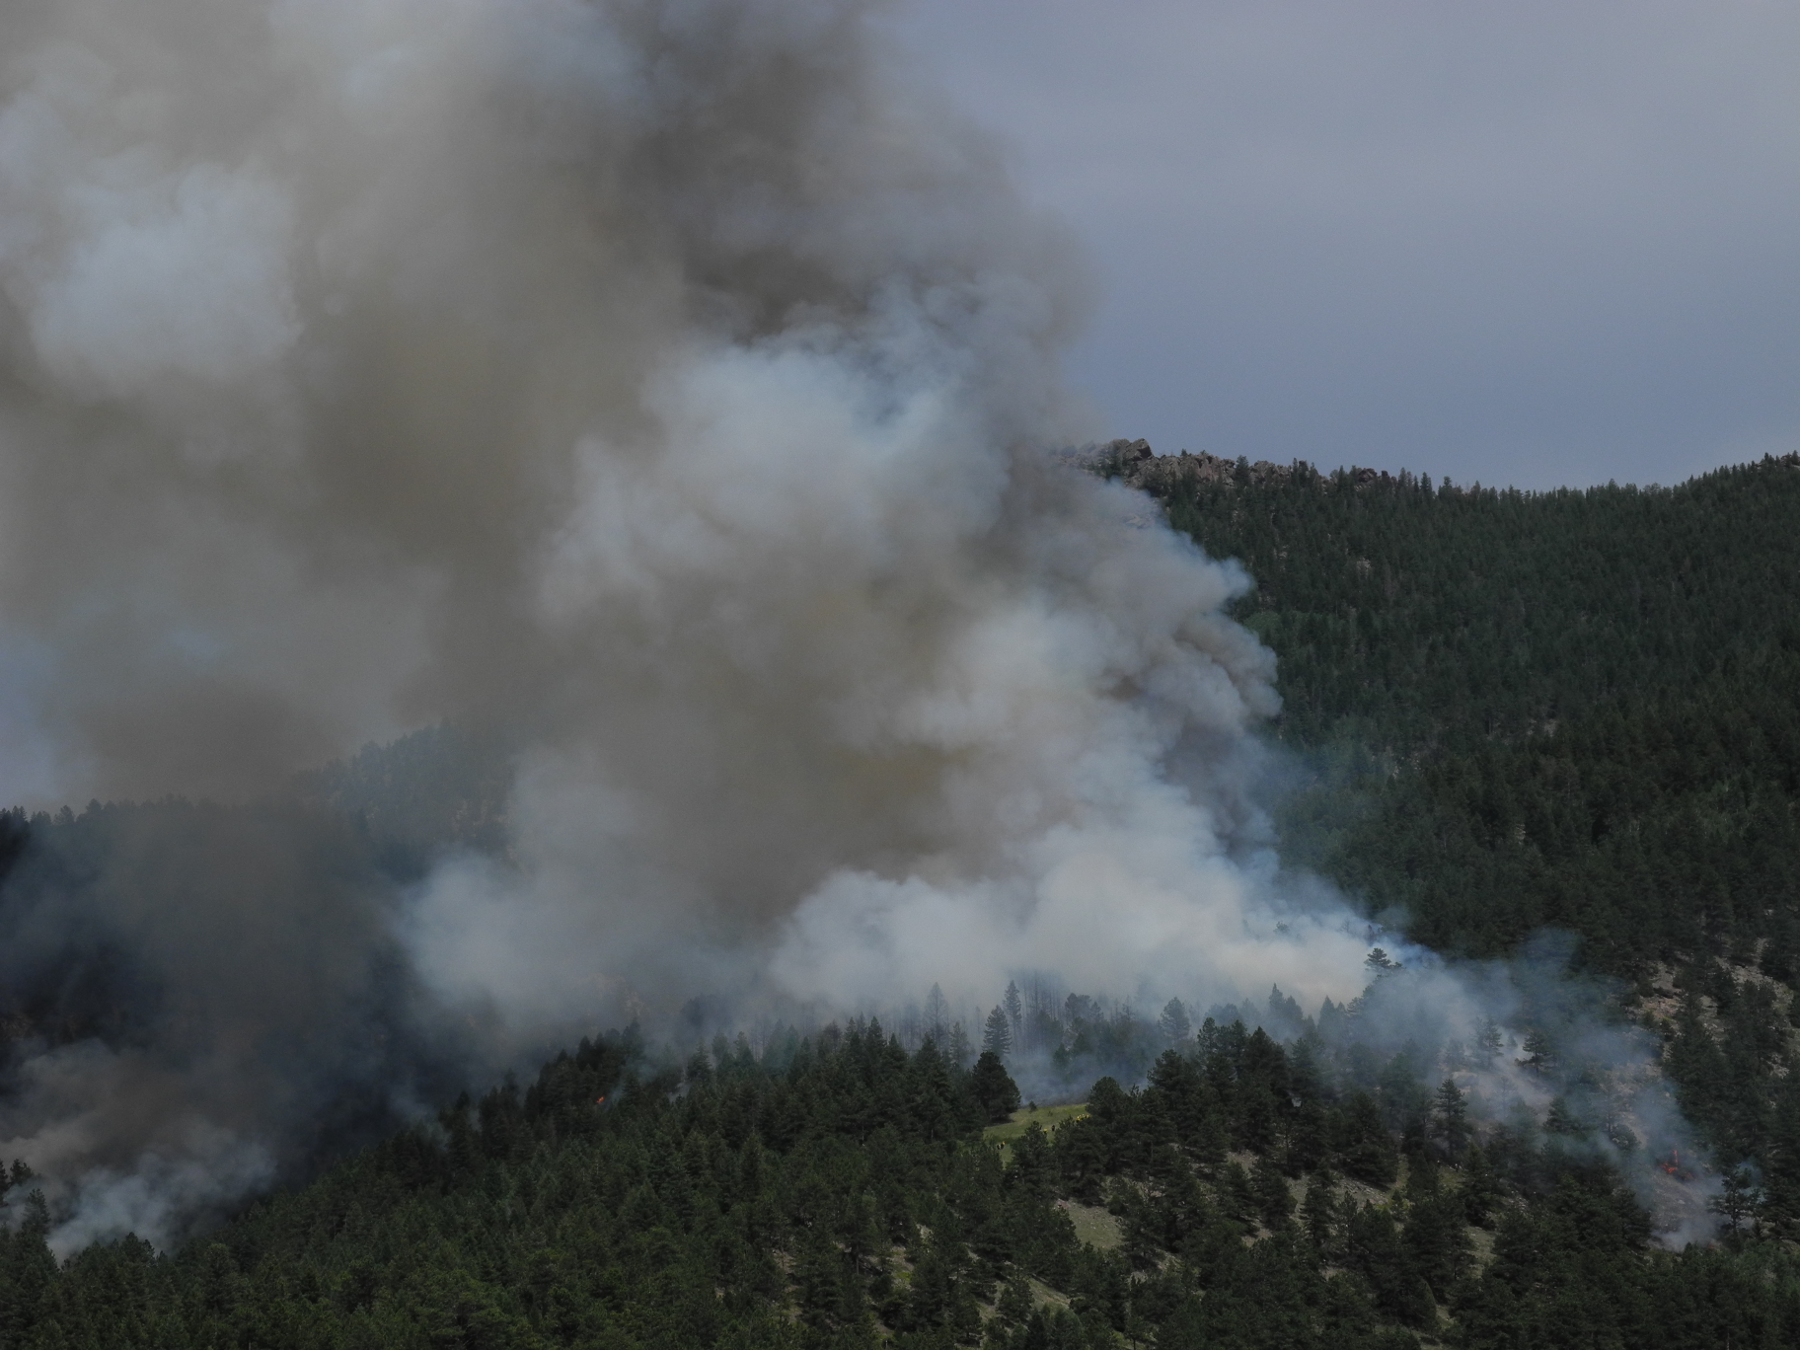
x: 836, y: 1191
x: 1581, y: 709
x: 1505, y: 713
x: 1576, y: 710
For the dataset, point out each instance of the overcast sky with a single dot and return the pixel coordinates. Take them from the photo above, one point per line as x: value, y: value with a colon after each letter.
x: 1528, y: 243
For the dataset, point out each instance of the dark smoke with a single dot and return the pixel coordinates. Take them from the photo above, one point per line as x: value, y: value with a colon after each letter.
x: 659, y: 391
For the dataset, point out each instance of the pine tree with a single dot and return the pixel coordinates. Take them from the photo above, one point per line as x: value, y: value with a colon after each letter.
x: 1737, y: 1199
x: 1436, y: 1235
x: 1489, y: 1042
x: 1538, y: 1052
x: 993, y: 1088
x: 996, y: 1036
x: 1562, y: 1119
x: 1481, y: 1189
x: 1015, y: 1010
x: 1319, y: 1212
x: 1781, y: 1174
x: 1177, y: 1030
x: 1274, y: 1202
x: 937, y: 1015
x: 1014, y: 1306
x: 959, y: 1049
x: 1450, y: 1119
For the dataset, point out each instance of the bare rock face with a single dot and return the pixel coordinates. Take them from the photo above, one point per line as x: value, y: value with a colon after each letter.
x: 1136, y: 465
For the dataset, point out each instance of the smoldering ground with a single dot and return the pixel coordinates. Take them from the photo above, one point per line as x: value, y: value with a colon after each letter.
x: 660, y: 388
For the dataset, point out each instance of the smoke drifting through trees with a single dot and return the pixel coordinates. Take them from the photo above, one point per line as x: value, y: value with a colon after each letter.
x: 658, y: 390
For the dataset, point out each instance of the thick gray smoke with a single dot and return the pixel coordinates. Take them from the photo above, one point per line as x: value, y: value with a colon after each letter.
x: 661, y: 387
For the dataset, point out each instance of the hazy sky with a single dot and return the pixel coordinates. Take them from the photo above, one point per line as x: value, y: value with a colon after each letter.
x: 1529, y: 243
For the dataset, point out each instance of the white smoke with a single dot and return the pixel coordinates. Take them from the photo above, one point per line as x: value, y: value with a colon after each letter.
x: 867, y: 721
x: 666, y: 383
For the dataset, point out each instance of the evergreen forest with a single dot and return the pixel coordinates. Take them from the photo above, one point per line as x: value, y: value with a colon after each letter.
x: 1506, y: 715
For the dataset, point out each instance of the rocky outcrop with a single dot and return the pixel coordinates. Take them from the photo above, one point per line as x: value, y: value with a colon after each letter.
x: 1136, y: 465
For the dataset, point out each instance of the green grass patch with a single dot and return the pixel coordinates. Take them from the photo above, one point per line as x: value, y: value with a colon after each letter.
x: 1095, y: 1226
x: 1049, y: 1117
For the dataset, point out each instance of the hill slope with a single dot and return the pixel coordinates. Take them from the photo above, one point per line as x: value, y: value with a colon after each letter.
x: 1509, y: 711
x: 835, y: 1192
x: 1577, y: 710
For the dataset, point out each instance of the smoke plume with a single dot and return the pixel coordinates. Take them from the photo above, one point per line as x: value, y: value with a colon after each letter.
x: 660, y: 389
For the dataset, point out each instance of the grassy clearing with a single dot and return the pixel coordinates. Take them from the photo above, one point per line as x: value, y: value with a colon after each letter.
x: 1047, y: 1116
x: 1094, y: 1226
x: 1484, y: 1248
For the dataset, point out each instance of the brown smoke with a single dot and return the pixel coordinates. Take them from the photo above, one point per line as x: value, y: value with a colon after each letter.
x: 663, y: 386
